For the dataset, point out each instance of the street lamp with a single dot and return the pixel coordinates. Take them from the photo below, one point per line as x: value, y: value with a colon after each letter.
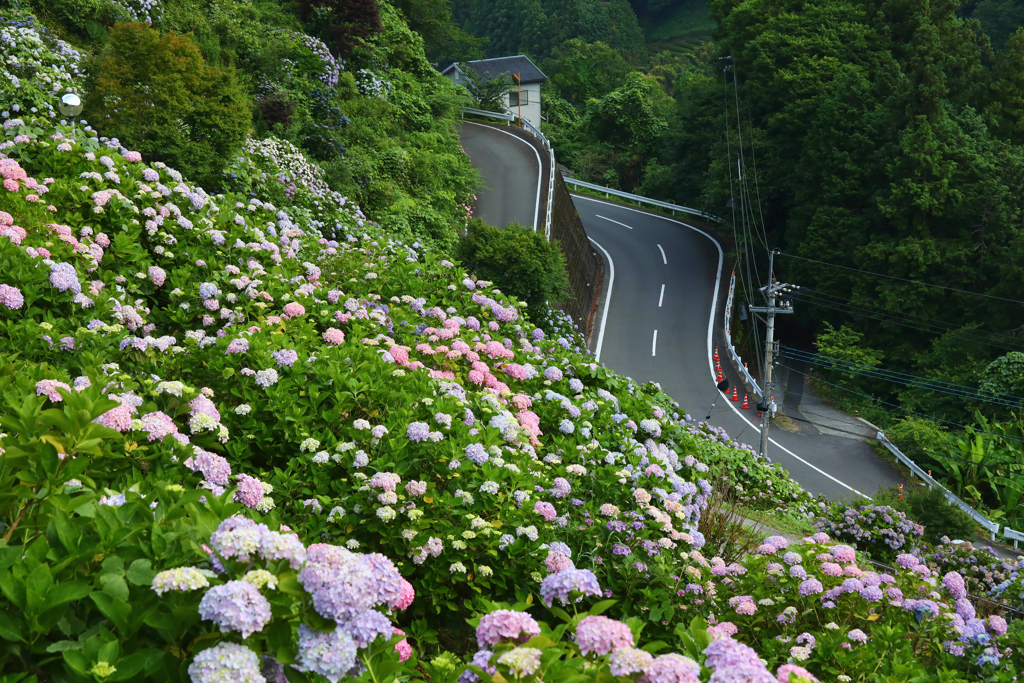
x: 71, y: 106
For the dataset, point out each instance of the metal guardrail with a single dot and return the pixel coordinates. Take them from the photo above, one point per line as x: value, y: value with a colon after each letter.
x: 992, y: 527
x: 642, y: 200
x: 535, y: 132
x: 737, y: 361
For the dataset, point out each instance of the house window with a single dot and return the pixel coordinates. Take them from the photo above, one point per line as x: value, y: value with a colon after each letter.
x: 514, y: 99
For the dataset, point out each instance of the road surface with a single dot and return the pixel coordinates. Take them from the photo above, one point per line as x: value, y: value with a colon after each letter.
x: 512, y: 172
x: 657, y: 325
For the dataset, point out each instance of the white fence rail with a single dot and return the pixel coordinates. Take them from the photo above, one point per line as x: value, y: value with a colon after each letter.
x: 992, y: 527
x: 535, y: 132
x: 642, y: 200
x: 737, y: 361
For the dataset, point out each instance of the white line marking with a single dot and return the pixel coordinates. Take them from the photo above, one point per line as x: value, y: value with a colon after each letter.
x: 540, y: 166
x: 663, y: 259
x: 607, y: 300
x: 662, y: 297
x: 711, y: 327
x: 654, y: 344
x: 622, y: 224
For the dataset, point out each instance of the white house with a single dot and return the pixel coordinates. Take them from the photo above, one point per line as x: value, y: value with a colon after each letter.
x: 525, y: 98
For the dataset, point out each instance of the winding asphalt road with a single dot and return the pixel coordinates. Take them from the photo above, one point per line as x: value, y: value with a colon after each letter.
x: 657, y: 322
x: 660, y: 311
x: 512, y: 172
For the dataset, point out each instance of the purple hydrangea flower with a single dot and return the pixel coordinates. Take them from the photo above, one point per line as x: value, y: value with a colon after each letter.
x: 236, y: 606
x: 332, y: 655
x: 568, y: 581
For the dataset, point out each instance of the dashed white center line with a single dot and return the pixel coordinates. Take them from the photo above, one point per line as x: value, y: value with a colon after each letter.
x: 662, y: 297
x: 654, y: 344
x: 616, y: 222
x: 663, y: 259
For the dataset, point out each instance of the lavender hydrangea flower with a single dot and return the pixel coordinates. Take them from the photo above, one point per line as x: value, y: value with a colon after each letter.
x: 625, y: 661
x: 332, y: 655
x: 954, y: 583
x: 226, y: 663
x: 285, y: 358
x: 266, y: 378
x: 672, y: 668
x: 11, y: 297
x: 367, y: 627
x: 64, y: 277
x: 236, y: 606
x: 418, y: 431
x: 568, y: 581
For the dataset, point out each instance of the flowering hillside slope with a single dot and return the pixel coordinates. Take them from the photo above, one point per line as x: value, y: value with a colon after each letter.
x: 253, y: 436
x: 202, y: 356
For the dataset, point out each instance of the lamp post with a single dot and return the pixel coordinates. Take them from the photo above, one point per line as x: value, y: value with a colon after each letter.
x: 71, y: 106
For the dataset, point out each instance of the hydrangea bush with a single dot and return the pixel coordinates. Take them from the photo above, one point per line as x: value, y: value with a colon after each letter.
x: 297, y: 364
x: 876, y: 529
x: 38, y: 68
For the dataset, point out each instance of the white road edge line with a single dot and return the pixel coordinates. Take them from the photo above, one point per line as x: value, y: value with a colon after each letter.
x: 663, y: 259
x: 540, y: 166
x: 607, y: 300
x: 711, y: 327
x: 616, y: 222
x: 654, y: 344
x: 662, y: 297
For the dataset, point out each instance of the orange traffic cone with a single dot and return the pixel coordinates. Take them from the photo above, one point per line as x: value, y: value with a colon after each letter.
x: 716, y: 354
x: 720, y: 377
x: 735, y: 396
x: 746, y: 403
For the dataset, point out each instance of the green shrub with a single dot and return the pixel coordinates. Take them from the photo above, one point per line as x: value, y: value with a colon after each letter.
x: 929, y: 507
x: 518, y: 260
x: 157, y: 95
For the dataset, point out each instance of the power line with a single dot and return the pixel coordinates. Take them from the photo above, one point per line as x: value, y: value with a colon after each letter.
x: 922, y: 319
x: 903, y: 410
x: 913, y: 381
x: 921, y: 326
x: 913, y: 282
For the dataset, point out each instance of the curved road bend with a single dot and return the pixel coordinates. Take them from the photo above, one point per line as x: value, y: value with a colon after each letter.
x: 658, y: 326
x: 511, y: 171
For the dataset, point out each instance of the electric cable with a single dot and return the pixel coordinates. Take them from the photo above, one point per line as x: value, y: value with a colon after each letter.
x: 914, y: 381
x: 902, y: 409
x: 922, y: 327
x: 913, y: 282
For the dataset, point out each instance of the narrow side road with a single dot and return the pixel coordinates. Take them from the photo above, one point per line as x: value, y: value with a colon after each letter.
x: 656, y: 324
x: 512, y: 175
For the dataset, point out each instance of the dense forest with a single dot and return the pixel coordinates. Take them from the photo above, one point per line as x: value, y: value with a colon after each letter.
x: 881, y: 142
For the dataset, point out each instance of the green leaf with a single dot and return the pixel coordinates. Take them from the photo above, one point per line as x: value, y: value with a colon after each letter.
x: 67, y: 592
x: 62, y: 645
x: 601, y: 607
x: 112, y: 608
x: 141, y: 573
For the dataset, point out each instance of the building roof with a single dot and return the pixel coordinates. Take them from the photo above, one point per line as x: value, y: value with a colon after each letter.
x: 489, y: 68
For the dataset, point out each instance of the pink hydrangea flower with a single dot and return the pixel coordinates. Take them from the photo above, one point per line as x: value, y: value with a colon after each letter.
x: 334, y: 336
x: 294, y: 310
x: 600, y: 635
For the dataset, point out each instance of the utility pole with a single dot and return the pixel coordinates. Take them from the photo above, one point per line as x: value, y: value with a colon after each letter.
x: 772, y: 289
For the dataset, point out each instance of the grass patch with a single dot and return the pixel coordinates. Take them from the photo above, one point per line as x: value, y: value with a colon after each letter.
x: 780, y: 521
